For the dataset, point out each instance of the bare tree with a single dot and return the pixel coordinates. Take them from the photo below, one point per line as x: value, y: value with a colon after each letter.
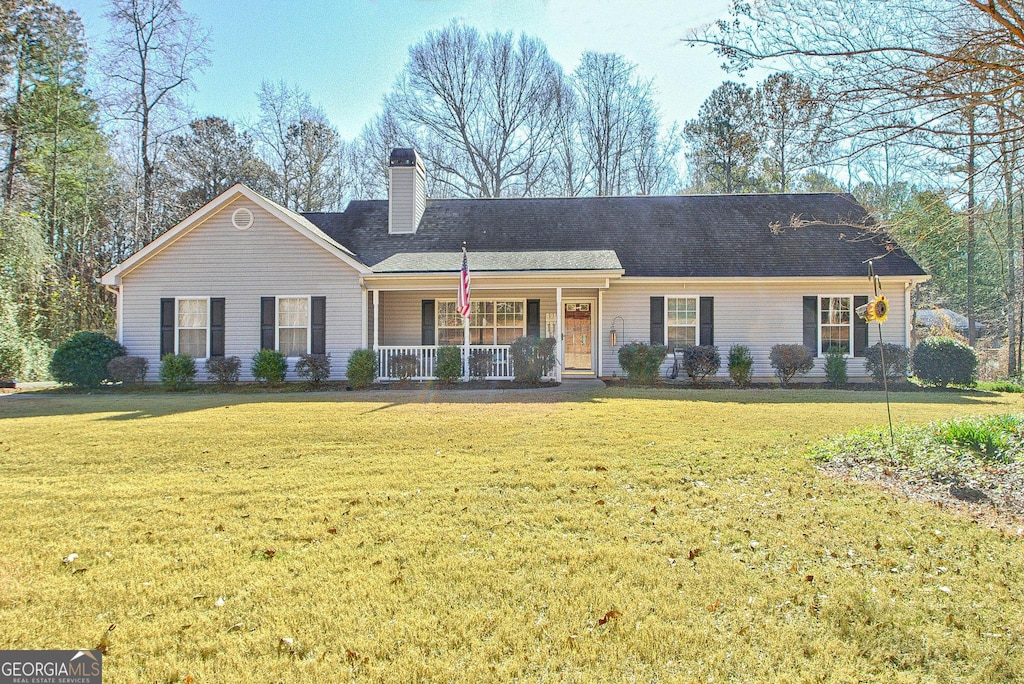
x: 481, y: 110
x: 154, y: 50
x: 793, y: 121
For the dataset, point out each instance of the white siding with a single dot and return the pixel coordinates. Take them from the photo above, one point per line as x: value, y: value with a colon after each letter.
x: 217, y: 260
x: 757, y: 314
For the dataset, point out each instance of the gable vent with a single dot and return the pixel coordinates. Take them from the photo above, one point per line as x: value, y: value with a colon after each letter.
x: 242, y: 218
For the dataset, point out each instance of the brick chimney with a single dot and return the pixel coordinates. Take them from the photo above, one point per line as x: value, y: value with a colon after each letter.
x: 407, y: 191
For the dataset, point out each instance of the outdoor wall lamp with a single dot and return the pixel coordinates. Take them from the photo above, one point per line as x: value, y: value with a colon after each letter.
x: 613, y: 337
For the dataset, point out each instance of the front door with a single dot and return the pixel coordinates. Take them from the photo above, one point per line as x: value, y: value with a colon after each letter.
x: 578, y: 331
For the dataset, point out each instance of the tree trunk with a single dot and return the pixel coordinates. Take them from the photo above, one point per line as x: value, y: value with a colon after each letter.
x: 971, y: 333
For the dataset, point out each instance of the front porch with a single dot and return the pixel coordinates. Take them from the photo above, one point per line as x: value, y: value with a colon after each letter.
x: 406, y: 327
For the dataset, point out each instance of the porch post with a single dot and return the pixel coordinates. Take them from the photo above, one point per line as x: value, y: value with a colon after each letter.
x: 465, y: 348
x: 600, y: 332
x: 364, y: 333
x: 558, y: 335
x: 376, y: 319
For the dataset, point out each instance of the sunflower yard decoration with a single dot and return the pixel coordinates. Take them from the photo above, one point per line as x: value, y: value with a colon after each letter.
x: 877, y: 311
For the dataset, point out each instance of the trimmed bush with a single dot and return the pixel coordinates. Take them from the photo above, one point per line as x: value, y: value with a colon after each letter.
x: 641, y: 361
x: 480, y: 363
x: 897, y: 358
x: 790, y: 359
x: 362, y: 368
x: 224, y: 369
x: 835, y: 367
x: 532, y: 357
x: 741, y: 364
x: 404, y: 366
x: 448, y: 366
x: 269, y: 366
x: 700, y: 362
x: 127, y: 370
x: 11, y: 359
x: 82, y: 360
x: 944, y: 361
x: 314, y: 368
x: 177, y: 372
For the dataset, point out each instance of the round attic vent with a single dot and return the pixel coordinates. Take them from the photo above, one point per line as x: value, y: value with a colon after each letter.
x: 242, y: 218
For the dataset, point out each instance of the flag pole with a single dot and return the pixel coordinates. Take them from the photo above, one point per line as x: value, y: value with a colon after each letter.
x: 464, y: 302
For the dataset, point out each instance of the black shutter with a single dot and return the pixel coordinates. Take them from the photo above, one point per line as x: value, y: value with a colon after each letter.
x: 427, y: 322
x: 318, y: 316
x: 166, y: 326
x: 860, y: 328
x: 216, y: 326
x: 533, y: 318
x: 707, y: 321
x: 811, y: 323
x: 657, y: 320
x: 268, y: 312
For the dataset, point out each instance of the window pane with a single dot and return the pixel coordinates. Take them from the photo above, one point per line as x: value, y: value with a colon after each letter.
x: 682, y: 311
x: 681, y: 336
x: 835, y: 336
x: 192, y: 342
x: 481, y: 314
x: 510, y: 314
x: 192, y: 313
x: 449, y: 336
x: 448, y: 315
x: 293, y: 311
x: 292, y: 341
x: 509, y: 335
x: 835, y: 310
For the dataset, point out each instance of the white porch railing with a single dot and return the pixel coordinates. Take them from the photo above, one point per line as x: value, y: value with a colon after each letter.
x: 423, y: 359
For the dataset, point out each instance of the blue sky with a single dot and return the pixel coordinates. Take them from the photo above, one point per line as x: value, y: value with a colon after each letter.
x: 347, y: 54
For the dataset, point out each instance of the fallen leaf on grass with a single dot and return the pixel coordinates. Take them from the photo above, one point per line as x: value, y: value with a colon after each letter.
x: 694, y: 553
x: 712, y: 607
x: 332, y: 530
x: 198, y: 596
x: 237, y: 627
x: 600, y: 468
x: 270, y: 553
x: 599, y: 502
x: 809, y: 578
x: 610, y: 615
x: 70, y: 558
x: 104, y: 643
x: 219, y: 602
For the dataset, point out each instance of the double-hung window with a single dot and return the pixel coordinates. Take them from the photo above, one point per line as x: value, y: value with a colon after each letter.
x: 680, y: 322
x: 192, y: 327
x: 835, y: 321
x: 490, y: 322
x: 293, y: 326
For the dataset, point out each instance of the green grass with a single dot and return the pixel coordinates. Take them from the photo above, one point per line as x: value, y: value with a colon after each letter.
x: 619, y: 535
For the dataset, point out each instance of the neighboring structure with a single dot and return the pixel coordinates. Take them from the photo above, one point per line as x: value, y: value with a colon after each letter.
x: 596, y: 272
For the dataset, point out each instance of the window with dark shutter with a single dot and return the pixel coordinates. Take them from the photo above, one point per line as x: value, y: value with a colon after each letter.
x: 657, y: 320
x: 216, y: 326
x: 860, y: 328
x: 427, y: 322
x: 167, y: 315
x: 533, y: 318
x: 318, y: 323
x: 707, y: 320
x: 268, y: 314
x: 811, y: 323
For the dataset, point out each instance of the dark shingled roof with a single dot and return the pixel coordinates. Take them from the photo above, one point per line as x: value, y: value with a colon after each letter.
x: 701, y: 236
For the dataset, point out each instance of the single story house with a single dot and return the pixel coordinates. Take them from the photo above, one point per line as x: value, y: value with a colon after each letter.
x: 244, y: 273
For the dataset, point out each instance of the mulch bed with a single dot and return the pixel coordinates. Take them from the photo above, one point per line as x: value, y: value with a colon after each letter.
x: 992, y: 496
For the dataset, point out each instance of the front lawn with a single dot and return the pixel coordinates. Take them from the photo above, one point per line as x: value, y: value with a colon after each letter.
x: 616, y: 535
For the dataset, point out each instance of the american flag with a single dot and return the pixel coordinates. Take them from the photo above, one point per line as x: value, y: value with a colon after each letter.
x: 463, y: 303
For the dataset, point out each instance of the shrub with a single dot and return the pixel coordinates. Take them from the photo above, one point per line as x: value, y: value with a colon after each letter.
x: 224, y: 369
x: 404, y: 366
x: 701, y: 361
x: 269, y: 366
x: 11, y: 358
x: 127, y: 370
x: 448, y: 367
x: 532, y: 357
x: 480, y: 363
x: 897, y: 358
x: 82, y: 360
x: 741, y: 364
x: 835, y: 367
x: 642, y: 361
x: 362, y: 368
x: 790, y: 359
x: 944, y: 361
x: 177, y: 372
x: 314, y: 368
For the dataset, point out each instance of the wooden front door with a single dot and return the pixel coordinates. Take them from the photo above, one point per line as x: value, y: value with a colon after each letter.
x: 579, y: 335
